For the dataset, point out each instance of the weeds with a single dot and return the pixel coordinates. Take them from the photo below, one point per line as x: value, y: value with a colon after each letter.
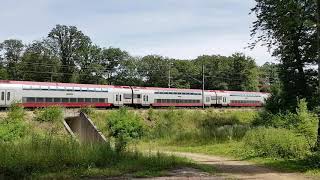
x: 272, y: 142
x: 13, y: 126
x: 48, y: 157
x: 124, y: 126
x: 49, y: 114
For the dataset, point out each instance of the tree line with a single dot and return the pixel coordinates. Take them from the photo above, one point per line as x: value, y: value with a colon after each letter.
x: 68, y: 55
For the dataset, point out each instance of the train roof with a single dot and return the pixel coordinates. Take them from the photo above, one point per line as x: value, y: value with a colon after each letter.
x: 244, y: 92
x: 164, y: 89
x: 60, y: 84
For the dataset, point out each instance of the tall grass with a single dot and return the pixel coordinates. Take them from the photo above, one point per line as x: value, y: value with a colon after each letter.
x: 275, y: 142
x: 194, y: 126
x: 49, y: 114
x: 13, y: 126
x: 40, y: 156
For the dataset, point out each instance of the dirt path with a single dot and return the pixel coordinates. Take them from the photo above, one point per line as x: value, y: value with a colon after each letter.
x: 231, y: 169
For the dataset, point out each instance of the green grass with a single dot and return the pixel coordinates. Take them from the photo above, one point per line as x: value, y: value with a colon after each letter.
x: 62, y: 158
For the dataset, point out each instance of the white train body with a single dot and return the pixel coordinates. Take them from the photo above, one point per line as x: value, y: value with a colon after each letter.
x: 42, y: 94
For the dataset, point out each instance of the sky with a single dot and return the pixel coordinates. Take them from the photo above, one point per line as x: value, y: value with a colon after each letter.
x: 181, y: 29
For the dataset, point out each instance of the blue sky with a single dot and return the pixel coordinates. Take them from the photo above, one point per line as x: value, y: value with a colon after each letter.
x: 173, y: 28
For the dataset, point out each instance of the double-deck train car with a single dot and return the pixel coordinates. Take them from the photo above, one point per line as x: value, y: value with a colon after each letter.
x: 42, y: 94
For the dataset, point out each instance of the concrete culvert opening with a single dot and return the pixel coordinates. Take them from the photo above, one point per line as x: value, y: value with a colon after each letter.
x: 82, y: 128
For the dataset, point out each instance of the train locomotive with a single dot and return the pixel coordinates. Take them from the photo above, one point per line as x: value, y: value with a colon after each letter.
x: 42, y: 94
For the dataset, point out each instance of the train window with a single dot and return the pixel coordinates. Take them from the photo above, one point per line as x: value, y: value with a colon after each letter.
x: 101, y: 100
x: 80, y: 99
x: 8, y: 96
x: 65, y: 100
x: 31, y: 99
x: 120, y: 98
x: 73, y: 100
x: 104, y: 90
x: 127, y: 96
x: 87, y: 99
x: 48, y: 100
x: 57, y: 99
x: 138, y: 96
x: 40, y: 99
x: 95, y: 100
x: 147, y: 98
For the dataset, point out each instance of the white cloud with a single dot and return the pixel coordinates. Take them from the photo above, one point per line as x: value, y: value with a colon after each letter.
x: 168, y: 27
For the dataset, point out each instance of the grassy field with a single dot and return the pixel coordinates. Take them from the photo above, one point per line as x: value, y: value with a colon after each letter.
x: 35, y: 145
x: 230, y: 133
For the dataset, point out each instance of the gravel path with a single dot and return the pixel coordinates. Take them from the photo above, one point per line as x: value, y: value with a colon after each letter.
x: 229, y: 169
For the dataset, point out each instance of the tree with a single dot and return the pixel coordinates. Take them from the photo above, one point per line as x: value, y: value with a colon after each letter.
x: 127, y: 73
x: 69, y: 43
x: 13, y: 49
x: 111, y: 59
x: 39, y: 63
x: 154, y: 70
x: 286, y: 28
x: 292, y: 29
x: 268, y: 76
x: 91, y: 70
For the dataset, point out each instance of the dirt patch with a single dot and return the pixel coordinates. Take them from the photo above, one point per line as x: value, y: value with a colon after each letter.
x: 234, y: 169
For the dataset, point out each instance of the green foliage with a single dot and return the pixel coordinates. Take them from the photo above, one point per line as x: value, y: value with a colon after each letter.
x: 194, y: 126
x: 13, y: 126
x: 286, y: 27
x: 49, y: 114
x: 89, y: 110
x: 124, y: 126
x: 303, y: 122
x: 272, y: 142
x: 38, y: 157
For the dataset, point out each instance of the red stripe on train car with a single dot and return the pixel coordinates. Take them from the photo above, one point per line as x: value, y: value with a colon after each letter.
x: 178, y: 104
x: 245, y: 105
x: 35, y: 105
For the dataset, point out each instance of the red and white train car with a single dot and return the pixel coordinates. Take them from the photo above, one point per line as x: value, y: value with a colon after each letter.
x: 43, y: 94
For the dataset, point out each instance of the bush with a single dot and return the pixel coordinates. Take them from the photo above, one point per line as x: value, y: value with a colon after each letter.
x: 49, y: 114
x: 303, y: 122
x: 223, y: 133
x: 272, y: 142
x: 13, y: 126
x: 124, y: 126
x: 87, y: 110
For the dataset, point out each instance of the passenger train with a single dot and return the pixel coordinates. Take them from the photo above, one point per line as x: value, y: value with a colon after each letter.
x: 42, y: 94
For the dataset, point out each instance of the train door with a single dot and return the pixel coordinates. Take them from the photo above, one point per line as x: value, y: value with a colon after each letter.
x: 2, y: 98
x: 145, y: 99
x: 118, y: 99
x: 6, y: 97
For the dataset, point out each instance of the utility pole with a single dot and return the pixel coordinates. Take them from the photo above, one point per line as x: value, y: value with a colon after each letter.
x: 202, y: 85
x: 169, y: 78
x: 318, y: 60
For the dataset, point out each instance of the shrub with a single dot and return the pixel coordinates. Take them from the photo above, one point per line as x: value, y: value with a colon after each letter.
x: 49, y: 114
x: 124, y: 126
x: 303, y: 122
x: 13, y: 126
x: 223, y: 133
x: 272, y: 142
x: 87, y: 110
